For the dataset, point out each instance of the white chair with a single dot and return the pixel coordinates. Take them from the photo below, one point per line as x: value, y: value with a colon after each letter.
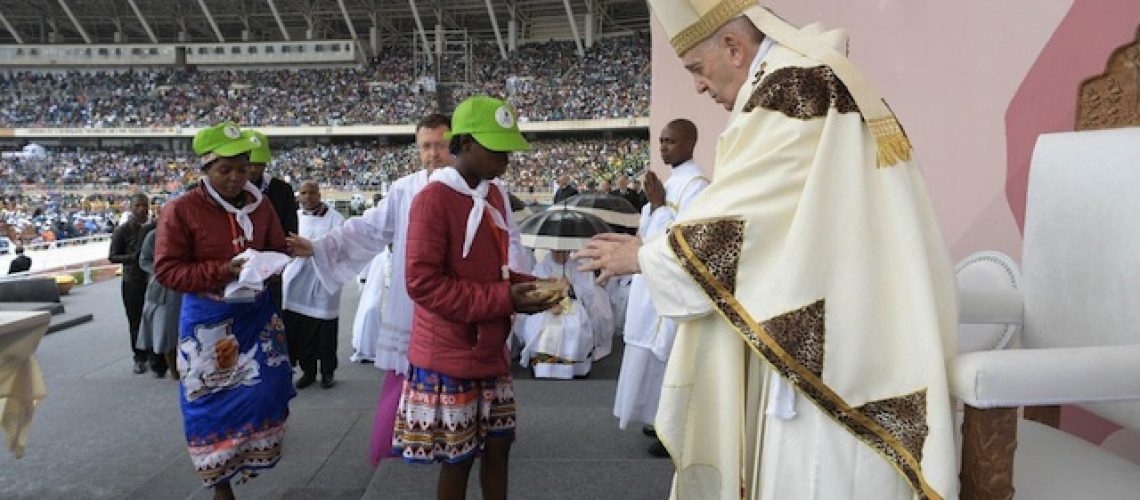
x: 989, y: 299
x: 1080, y: 338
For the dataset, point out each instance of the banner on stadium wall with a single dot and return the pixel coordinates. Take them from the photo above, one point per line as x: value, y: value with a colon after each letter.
x: 308, y: 131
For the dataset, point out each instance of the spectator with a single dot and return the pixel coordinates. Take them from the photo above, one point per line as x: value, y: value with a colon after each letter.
x: 565, y: 190
x: 545, y: 81
x: 21, y: 263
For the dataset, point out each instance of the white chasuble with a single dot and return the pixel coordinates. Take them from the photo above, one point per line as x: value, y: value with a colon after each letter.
x: 804, y: 259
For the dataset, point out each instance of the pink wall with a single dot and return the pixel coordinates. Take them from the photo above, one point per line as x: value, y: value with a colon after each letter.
x: 1046, y: 101
x: 949, y: 69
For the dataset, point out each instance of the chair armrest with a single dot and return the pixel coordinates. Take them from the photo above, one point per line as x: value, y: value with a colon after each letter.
x: 1027, y: 377
x: 985, y: 307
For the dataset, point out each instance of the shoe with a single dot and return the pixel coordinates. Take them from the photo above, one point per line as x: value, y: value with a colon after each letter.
x: 159, y: 373
x: 658, y: 450
x: 140, y: 367
x: 327, y: 382
x: 649, y: 431
x: 306, y: 380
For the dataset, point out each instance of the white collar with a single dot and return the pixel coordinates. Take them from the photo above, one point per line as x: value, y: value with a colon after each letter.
x: 686, y: 169
x: 765, y: 47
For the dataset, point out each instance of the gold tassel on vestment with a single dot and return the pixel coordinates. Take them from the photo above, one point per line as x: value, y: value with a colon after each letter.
x: 894, y: 146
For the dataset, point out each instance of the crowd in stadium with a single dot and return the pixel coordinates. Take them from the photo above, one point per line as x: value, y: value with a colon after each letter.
x: 340, y: 166
x: 545, y: 81
x: 45, y: 218
x: 344, y: 166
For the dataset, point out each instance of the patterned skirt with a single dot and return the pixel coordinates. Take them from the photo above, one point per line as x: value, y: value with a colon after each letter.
x: 447, y: 419
x: 236, y: 386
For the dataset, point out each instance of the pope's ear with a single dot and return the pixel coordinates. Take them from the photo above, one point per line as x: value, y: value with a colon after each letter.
x: 734, y: 44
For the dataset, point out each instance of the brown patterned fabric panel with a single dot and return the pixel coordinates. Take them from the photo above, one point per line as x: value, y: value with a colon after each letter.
x: 801, y: 334
x: 802, y: 93
x: 904, y: 417
x: 717, y: 244
x: 864, y: 427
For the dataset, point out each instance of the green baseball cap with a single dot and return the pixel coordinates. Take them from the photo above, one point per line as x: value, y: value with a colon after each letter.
x: 260, y: 154
x: 492, y: 123
x: 221, y: 141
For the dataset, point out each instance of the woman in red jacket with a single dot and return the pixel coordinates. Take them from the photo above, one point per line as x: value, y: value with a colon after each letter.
x: 236, y: 378
x: 458, y: 400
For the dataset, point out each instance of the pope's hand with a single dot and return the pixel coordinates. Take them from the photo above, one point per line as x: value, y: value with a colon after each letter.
x: 298, y: 246
x: 611, y: 253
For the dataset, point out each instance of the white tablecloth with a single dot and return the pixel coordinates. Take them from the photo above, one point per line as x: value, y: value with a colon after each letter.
x: 21, y: 384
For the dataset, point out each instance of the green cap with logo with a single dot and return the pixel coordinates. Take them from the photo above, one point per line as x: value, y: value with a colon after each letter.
x: 222, y: 141
x: 260, y: 154
x: 492, y: 122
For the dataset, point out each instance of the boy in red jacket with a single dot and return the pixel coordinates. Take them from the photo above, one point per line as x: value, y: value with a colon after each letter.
x: 458, y: 400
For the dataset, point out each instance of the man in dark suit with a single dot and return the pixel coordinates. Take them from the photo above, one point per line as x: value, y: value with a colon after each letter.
x: 126, y: 242
x: 21, y: 263
x: 624, y: 191
x: 277, y: 192
x: 565, y: 190
x: 638, y: 194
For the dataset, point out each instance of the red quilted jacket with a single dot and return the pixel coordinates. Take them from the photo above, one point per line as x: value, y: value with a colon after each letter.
x: 463, y: 306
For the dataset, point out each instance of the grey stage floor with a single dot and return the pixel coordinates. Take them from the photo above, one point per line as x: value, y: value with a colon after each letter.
x: 104, y: 432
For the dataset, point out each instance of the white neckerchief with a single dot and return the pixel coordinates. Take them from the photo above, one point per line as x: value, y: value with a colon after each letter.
x: 450, y: 177
x: 242, y: 215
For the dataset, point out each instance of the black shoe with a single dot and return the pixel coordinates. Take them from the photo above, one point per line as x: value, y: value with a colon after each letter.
x: 306, y: 380
x: 160, y: 373
x: 327, y: 382
x: 140, y: 367
x: 658, y: 450
x: 649, y: 431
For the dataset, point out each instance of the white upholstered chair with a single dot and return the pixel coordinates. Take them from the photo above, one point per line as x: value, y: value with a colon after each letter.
x: 989, y: 299
x: 1080, y: 338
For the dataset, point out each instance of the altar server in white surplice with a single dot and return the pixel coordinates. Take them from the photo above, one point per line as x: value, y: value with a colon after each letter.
x: 648, y: 336
x: 366, y: 324
x: 562, y: 342
x: 312, y: 312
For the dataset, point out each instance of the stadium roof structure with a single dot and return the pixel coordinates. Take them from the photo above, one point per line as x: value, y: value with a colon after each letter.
x: 397, y: 21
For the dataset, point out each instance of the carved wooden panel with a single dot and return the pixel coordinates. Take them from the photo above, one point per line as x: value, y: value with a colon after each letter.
x: 1112, y: 99
x: 989, y: 440
x: 1048, y: 415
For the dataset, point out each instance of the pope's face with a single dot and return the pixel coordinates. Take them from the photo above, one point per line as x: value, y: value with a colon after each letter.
x: 714, y: 72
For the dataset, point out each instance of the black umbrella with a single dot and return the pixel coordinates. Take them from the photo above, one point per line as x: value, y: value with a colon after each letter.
x: 561, y: 229
x: 616, y: 211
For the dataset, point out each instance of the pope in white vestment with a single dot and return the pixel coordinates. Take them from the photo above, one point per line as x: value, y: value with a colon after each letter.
x: 813, y: 291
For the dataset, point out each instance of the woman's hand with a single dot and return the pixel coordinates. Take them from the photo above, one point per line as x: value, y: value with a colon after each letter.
x: 235, y: 266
